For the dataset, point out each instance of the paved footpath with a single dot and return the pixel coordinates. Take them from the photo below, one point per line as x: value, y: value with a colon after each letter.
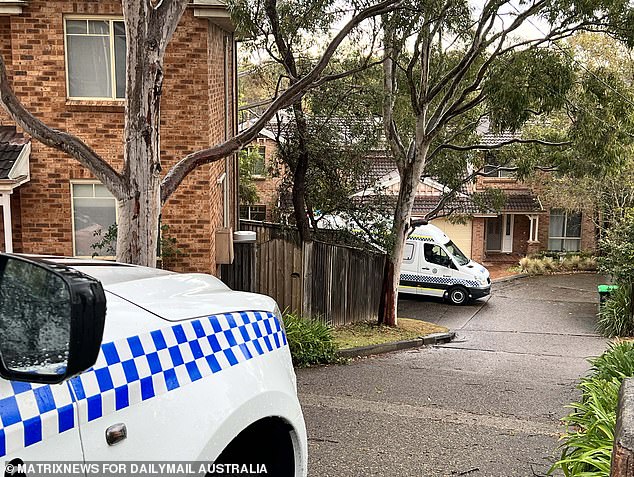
x: 487, y: 404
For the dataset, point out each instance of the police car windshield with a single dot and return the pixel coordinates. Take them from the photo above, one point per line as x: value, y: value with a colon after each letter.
x: 460, y: 257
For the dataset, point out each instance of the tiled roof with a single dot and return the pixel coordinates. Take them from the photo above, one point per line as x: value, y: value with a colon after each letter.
x: 493, y: 139
x: 525, y: 202
x: 458, y: 205
x: 11, y: 145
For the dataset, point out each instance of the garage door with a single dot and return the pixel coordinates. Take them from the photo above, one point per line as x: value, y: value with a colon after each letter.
x: 460, y: 234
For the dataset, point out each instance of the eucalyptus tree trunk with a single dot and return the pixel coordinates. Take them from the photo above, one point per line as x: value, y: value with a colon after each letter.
x: 140, y: 193
x: 148, y: 33
x: 299, y: 175
x: 410, y: 178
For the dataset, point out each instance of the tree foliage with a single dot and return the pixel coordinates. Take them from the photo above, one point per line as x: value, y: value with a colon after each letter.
x: 247, y: 192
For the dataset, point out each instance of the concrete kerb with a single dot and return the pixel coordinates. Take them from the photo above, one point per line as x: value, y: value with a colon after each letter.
x: 510, y: 278
x: 432, y: 339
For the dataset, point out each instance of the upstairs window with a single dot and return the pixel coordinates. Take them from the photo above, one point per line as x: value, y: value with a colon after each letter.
x: 95, y: 58
x: 493, y: 165
x: 258, y: 168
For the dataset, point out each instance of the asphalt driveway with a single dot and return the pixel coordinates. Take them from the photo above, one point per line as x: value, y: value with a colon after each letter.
x: 487, y: 404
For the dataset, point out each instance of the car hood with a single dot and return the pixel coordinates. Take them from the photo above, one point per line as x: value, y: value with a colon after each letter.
x: 177, y: 297
x: 476, y: 269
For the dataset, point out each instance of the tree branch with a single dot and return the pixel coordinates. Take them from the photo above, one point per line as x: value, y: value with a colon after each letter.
x: 177, y: 173
x: 59, y: 140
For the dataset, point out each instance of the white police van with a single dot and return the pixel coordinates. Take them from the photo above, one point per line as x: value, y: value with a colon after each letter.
x: 433, y: 265
x: 111, y: 362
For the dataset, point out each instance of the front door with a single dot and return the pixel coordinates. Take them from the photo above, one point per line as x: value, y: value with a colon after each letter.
x: 499, y: 233
x: 493, y: 233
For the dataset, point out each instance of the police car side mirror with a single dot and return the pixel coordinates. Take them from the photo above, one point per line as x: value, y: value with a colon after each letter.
x: 51, y: 321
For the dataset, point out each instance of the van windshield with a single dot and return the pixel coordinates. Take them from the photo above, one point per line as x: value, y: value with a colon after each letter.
x: 453, y: 249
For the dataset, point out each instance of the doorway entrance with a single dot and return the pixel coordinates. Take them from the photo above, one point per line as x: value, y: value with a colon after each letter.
x: 498, y: 233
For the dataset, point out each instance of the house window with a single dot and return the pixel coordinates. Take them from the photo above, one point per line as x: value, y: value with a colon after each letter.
x: 95, y: 58
x: 493, y: 163
x: 258, y: 168
x: 253, y: 212
x: 564, y: 231
x: 94, y: 213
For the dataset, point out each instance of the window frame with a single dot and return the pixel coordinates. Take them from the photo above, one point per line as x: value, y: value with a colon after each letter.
x: 565, y: 238
x: 113, y: 75
x: 72, y: 215
x: 451, y: 264
x: 249, y: 209
x: 409, y: 258
x: 261, y: 149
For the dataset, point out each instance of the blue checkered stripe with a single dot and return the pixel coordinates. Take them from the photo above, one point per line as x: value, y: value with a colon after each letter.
x: 133, y: 370
x: 32, y: 412
x: 421, y: 238
x: 438, y: 280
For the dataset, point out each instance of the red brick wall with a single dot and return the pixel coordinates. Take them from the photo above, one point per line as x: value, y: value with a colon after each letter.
x: 477, y: 239
x: 521, y: 230
x: 193, y: 117
x: 268, y: 186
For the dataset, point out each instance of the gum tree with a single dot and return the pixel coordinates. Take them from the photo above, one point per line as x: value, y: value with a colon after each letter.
x: 139, y: 187
x: 447, y: 64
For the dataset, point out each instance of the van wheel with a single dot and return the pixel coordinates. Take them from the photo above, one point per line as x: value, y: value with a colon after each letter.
x: 458, y: 295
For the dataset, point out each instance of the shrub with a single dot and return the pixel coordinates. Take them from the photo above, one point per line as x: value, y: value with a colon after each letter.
x: 552, y: 262
x: 571, y: 263
x: 587, y: 446
x: 549, y: 264
x: 616, y: 316
x: 618, y: 249
x: 309, y: 340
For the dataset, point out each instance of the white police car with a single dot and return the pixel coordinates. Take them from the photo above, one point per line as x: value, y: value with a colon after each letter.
x: 111, y: 362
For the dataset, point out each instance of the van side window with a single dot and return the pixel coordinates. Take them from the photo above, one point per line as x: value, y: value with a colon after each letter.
x: 408, y: 252
x: 436, y: 255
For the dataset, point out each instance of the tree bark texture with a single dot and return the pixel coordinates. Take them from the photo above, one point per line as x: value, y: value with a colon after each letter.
x: 410, y: 178
x: 149, y: 29
x: 150, y: 25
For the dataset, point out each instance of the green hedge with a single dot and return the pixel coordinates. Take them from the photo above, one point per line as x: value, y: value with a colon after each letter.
x: 587, y: 446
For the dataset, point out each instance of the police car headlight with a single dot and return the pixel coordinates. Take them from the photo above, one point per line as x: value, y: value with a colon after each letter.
x: 278, y: 313
x: 482, y: 282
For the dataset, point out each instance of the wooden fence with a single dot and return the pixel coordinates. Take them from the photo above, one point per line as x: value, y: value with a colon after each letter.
x: 336, y: 284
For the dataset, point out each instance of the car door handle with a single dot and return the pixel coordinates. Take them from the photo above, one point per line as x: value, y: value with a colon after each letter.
x: 425, y: 268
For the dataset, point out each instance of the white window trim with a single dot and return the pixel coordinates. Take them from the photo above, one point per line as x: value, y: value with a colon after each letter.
x: 113, y: 76
x: 72, y: 217
x: 250, y: 207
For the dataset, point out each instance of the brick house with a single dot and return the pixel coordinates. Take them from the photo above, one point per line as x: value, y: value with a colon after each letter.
x: 267, y: 176
x: 66, y: 63
x: 525, y: 225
